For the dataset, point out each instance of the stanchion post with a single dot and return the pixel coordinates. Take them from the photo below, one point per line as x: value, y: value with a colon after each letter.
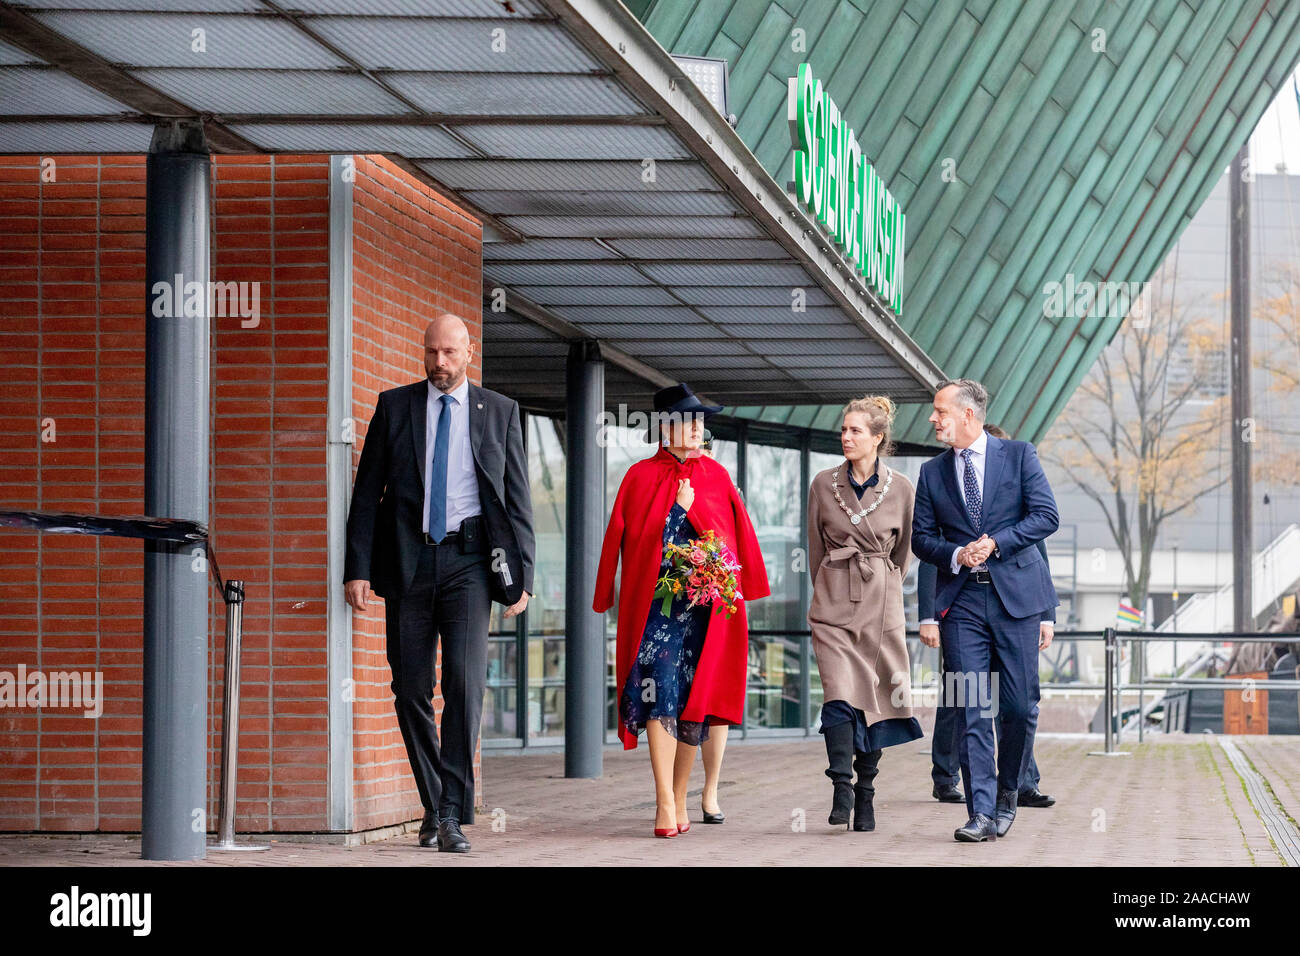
x: 234, y: 597
x: 1111, y: 698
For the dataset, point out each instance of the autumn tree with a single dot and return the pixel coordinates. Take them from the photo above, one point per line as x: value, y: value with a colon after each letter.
x: 1142, y: 435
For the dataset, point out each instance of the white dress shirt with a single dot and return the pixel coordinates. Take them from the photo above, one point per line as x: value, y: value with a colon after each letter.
x: 462, y: 482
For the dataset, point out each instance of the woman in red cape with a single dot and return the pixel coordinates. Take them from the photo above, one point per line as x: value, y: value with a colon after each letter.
x: 693, y: 661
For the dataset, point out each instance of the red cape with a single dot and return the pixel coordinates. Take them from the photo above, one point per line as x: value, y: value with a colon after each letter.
x: 636, y: 529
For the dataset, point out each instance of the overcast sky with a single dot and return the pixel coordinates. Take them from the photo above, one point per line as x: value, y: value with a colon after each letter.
x: 1277, y: 137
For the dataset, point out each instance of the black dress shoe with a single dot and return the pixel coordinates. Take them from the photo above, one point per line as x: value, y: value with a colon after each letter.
x: 977, y: 829
x: 947, y: 793
x: 1033, y: 798
x: 718, y: 817
x: 450, y: 838
x: 429, y: 829
x: 1006, y: 811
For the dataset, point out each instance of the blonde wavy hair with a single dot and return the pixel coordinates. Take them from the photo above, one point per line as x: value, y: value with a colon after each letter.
x: 879, y: 411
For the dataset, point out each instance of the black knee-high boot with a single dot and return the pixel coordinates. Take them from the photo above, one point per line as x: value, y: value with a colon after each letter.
x: 839, y: 752
x: 864, y: 812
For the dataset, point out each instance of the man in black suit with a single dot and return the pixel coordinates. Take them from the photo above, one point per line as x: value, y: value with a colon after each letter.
x: 441, y: 525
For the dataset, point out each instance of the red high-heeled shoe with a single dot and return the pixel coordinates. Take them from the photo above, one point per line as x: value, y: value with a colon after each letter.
x: 666, y: 831
x: 683, y: 827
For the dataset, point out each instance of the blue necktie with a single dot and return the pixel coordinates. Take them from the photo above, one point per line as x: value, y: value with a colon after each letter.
x: 974, y: 507
x: 438, y: 481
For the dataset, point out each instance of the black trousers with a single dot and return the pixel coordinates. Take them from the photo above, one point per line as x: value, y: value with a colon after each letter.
x: 448, y: 598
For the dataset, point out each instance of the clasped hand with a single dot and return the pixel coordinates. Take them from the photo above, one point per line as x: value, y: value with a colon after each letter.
x: 977, y: 552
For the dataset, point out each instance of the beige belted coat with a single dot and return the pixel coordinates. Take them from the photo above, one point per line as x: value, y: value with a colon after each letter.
x: 856, y: 613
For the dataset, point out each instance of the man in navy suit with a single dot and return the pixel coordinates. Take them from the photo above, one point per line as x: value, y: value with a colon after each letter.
x: 991, y: 592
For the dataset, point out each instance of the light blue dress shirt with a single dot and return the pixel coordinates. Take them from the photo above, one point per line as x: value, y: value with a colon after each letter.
x: 462, y: 482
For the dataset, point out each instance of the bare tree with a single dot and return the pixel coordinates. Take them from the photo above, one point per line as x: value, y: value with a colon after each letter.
x: 1141, y: 435
x: 1277, y: 459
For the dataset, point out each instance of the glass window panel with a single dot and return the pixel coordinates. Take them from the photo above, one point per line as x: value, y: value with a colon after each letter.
x: 499, y: 703
x: 776, y: 502
x: 773, y: 687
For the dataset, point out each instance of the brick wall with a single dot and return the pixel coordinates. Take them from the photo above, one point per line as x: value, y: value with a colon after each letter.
x: 71, y: 338
x: 415, y: 256
x: 71, y: 341
x: 270, y: 218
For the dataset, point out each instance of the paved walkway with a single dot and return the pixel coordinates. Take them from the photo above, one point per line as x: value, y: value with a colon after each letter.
x: 1176, y: 800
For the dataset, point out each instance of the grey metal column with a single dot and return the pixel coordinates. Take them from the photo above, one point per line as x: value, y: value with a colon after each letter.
x: 1243, y: 518
x: 174, y: 825
x: 584, y: 654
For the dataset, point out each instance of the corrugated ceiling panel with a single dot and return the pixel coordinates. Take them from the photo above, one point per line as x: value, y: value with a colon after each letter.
x: 689, y: 248
x: 423, y: 8
x: 36, y: 91
x: 527, y: 175
x: 167, y: 39
x: 489, y: 94
x: 612, y: 227
x: 160, y: 6
x: 779, y: 315
x: 545, y: 249
x: 12, y: 56
x: 776, y: 274
x: 339, y: 138
x: 700, y: 344
x: 282, y: 91
x: 674, y: 314
x: 776, y: 297
x: 575, y: 143
x: 75, y: 137
x: 455, y: 45
x: 548, y: 273
x: 619, y: 295
x: 630, y: 203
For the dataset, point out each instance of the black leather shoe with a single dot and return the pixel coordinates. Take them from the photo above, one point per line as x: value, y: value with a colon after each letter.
x: 718, y: 817
x: 429, y: 829
x: 1006, y: 811
x: 1033, y: 798
x: 948, y: 793
x: 977, y: 829
x: 450, y: 838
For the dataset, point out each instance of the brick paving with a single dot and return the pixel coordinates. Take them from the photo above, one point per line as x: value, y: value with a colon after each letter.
x: 1174, y: 801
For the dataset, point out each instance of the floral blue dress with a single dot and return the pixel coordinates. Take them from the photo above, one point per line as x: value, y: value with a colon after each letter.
x: 659, y: 683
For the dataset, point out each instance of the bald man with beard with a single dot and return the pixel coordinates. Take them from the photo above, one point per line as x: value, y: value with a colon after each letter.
x: 441, y: 525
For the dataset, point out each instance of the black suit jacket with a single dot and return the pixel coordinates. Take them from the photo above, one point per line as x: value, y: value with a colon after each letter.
x: 386, y: 520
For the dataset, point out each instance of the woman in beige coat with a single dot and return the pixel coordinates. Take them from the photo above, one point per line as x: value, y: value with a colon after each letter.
x: 859, y: 532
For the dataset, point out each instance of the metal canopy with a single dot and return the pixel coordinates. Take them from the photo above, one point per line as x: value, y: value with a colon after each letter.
x: 630, y: 211
x: 1079, y: 137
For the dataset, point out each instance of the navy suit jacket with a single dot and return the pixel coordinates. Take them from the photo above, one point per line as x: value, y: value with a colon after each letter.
x: 1019, y: 511
x: 926, y: 574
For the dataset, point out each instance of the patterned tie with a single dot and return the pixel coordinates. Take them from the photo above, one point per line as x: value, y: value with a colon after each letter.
x: 438, y: 482
x: 974, y: 507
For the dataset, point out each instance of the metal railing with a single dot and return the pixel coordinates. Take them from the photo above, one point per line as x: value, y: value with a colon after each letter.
x: 232, y: 593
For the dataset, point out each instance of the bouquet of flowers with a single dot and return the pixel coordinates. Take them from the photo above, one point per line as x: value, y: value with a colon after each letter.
x: 706, y: 569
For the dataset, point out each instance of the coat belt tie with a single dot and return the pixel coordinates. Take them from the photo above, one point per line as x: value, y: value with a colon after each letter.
x: 864, y: 571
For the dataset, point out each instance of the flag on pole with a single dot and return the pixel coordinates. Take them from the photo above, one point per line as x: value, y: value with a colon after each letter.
x: 1128, y: 615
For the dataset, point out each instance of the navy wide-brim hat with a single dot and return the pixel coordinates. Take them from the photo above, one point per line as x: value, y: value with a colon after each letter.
x: 680, y: 398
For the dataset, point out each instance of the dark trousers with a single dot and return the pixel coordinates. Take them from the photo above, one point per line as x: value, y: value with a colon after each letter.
x: 946, y: 769
x: 980, y: 640
x: 449, y: 597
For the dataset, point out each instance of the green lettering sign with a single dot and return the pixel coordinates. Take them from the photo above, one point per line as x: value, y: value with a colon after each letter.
x: 836, y: 184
